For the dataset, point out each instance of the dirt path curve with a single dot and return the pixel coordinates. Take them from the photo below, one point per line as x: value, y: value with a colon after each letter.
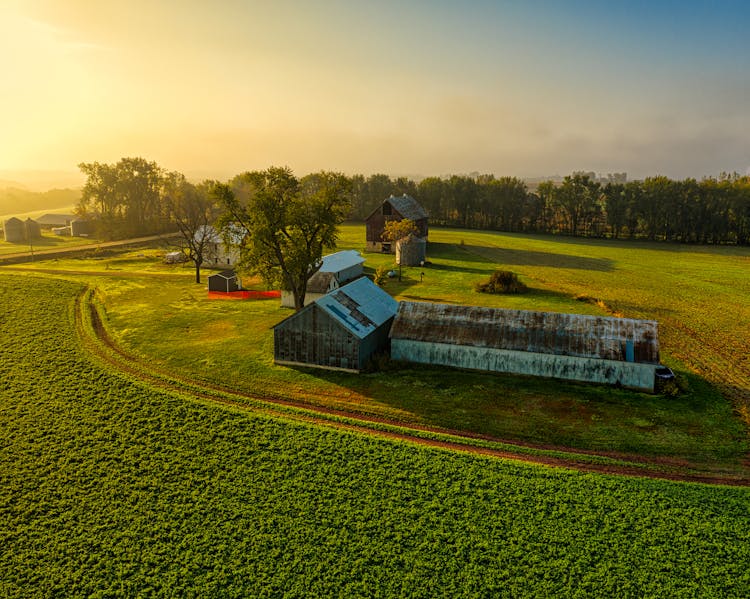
x: 96, y: 339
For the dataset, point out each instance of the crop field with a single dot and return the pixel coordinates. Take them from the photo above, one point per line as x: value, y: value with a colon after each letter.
x: 157, y: 313
x: 110, y: 486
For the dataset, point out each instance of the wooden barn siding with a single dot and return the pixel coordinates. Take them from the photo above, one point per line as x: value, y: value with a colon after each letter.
x: 312, y: 337
x: 375, y: 225
x: 628, y: 374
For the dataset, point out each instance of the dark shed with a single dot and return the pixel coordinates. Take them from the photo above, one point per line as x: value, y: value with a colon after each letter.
x: 394, y: 208
x: 224, y: 281
x: 340, y: 331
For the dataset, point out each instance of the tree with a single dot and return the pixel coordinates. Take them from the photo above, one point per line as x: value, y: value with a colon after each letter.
x: 398, y: 229
x: 288, y: 223
x: 193, y: 210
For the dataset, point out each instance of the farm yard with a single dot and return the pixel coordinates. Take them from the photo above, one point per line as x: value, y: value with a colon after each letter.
x: 116, y: 483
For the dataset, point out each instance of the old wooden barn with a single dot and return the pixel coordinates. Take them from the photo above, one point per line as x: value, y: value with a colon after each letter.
x: 617, y: 351
x: 394, y: 208
x: 341, y: 330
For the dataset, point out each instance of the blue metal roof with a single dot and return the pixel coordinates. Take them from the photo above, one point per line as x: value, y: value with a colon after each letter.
x: 361, y: 306
x: 341, y: 261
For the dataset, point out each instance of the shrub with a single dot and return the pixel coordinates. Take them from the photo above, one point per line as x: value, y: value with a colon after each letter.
x: 501, y: 281
x: 380, y: 276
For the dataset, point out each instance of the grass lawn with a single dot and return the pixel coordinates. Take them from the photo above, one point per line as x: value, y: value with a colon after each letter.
x: 699, y: 295
x: 49, y: 241
x: 110, y: 487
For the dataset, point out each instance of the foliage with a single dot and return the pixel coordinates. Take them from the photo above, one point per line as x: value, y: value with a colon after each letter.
x: 289, y: 223
x: 124, y: 198
x: 380, y: 277
x: 110, y: 488
x: 501, y: 281
x: 193, y: 210
x: 398, y: 229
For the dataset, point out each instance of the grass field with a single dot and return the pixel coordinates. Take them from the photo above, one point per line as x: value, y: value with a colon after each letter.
x: 697, y: 294
x: 109, y: 487
x: 49, y: 241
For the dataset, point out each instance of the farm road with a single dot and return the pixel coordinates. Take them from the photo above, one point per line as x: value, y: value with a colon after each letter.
x: 96, y: 339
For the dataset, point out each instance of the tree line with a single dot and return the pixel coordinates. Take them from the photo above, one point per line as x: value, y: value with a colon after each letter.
x: 712, y: 210
x: 137, y: 197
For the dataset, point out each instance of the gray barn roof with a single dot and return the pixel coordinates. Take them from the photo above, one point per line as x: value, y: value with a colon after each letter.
x: 522, y: 330
x: 360, y: 306
x: 407, y: 207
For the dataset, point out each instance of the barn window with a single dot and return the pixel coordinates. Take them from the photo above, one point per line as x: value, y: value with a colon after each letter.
x: 387, y: 209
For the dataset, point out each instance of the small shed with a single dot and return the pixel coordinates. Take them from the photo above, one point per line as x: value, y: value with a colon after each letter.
x: 225, y: 281
x: 14, y: 230
x: 617, y: 351
x: 340, y: 331
x: 394, y: 208
x: 411, y: 251
x: 81, y: 227
x: 345, y: 265
x: 318, y: 285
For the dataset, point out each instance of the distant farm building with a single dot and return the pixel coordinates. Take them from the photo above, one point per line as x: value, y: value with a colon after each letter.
x: 49, y: 221
x: 337, y: 269
x: 225, y: 281
x: 341, y: 330
x: 616, y: 351
x: 216, y: 252
x: 411, y: 251
x: 14, y: 230
x: 81, y: 227
x: 394, y: 208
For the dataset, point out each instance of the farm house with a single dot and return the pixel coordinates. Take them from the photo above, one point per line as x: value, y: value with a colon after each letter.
x: 341, y: 330
x: 225, y: 281
x: 616, y: 351
x: 394, y: 208
x: 216, y: 252
x: 336, y: 270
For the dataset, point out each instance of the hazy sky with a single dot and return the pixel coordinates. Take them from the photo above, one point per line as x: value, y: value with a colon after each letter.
x: 522, y: 88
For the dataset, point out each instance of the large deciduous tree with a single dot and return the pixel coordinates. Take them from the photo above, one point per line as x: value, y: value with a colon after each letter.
x: 288, y: 223
x: 193, y: 211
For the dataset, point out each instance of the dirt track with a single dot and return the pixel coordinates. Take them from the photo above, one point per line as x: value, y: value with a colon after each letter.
x: 101, y: 344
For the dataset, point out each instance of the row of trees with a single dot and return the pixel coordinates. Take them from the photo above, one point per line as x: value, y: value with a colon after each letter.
x: 713, y: 210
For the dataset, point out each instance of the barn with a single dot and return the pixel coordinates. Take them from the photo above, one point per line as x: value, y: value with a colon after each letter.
x: 394, y: 208
x: 14, y: 230
x: 336, y: 270
x: 225, y: 281
x: 318, y: 285
x: 340, y: 331
x: 616, y: 351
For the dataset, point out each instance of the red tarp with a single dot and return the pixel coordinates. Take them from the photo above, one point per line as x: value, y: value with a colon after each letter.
x: 243, y: 295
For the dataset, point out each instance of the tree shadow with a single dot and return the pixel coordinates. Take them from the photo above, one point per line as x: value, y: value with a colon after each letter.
x: 514, y: 257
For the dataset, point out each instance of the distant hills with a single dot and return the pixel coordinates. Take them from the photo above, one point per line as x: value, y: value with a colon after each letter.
x: 19, y: 200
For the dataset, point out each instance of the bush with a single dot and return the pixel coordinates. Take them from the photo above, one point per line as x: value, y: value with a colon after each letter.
x: 501, y: 281
x: 380, y: 276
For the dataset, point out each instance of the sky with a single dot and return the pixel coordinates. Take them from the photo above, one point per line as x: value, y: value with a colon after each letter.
x: 417, y: 88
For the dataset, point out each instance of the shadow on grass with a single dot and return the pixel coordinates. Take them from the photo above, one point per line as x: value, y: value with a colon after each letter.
x: 534, y: 258
x: 695, y: 426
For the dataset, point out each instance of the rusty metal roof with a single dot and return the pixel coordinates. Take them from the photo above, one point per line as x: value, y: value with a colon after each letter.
x: 523, y: 330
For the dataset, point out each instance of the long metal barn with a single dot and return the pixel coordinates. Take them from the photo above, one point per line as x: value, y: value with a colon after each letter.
x: 616, y: 351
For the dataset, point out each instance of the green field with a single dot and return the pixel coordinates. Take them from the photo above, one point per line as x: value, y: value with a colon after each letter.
x: 699, y: 295
x: 110, y: 487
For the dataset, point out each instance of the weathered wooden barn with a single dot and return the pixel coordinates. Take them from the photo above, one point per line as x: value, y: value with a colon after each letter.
x: 617, y: 351
x: 225, y: 281
x: 81, y: 227
x: 394, y: 208
x: 341, y: 330
x: 336, y: 270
